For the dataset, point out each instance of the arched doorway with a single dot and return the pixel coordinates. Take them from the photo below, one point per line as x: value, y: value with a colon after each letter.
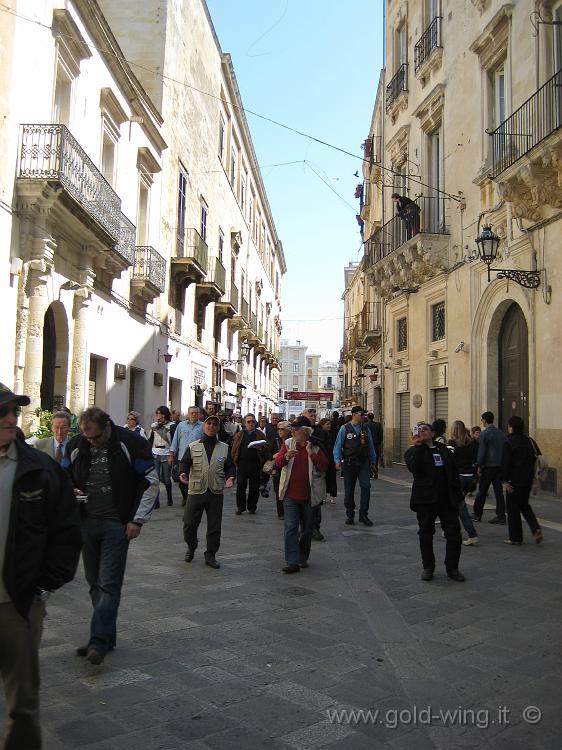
x: 55, y: 357
x: 513, y: 363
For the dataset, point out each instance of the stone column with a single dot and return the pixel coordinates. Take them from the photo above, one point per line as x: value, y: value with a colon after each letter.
x: 79, y: 360
x: 39, y: 272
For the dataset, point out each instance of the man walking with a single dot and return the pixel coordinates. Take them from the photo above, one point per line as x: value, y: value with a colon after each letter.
x: 302, y: 486
x: 249, y: 460
x: 489, y: 461
x: 436, y: 493
x: 206, y: 467
x: 114, y: 469
x: 186, y: 432
x: 355, y: 450
x: 160, y: 438
x: 376, y: 431
x: 40, y: 544
x: 55, y: 446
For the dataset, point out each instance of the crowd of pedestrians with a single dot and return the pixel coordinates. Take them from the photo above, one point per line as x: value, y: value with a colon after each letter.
x: 93, y: 491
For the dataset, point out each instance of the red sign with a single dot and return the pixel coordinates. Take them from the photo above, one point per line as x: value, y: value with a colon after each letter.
x: 308, y: 396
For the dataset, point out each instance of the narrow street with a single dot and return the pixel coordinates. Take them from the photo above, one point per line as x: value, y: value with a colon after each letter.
x: 247, y: 657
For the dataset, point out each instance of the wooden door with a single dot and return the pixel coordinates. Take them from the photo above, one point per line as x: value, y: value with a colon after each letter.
x: 514, y: 367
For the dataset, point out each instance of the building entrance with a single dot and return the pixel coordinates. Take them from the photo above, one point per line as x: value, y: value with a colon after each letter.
x: 513, y: 367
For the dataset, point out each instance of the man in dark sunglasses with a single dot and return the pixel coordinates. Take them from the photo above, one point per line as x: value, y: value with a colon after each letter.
x: 40, y: 544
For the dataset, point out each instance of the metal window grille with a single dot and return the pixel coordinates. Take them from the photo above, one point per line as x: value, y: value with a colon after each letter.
x: 402, y: 335
x: 438, y: 321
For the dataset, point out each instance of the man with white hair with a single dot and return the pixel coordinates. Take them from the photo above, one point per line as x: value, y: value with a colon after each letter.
x: 302, y: 485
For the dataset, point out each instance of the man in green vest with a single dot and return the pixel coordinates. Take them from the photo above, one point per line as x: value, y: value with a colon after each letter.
x: 207, y: 468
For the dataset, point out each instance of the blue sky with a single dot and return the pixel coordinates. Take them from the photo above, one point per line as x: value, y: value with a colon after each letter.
x: 314, y: 66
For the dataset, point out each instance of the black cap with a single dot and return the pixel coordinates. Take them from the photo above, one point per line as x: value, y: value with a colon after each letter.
x: 8, y: 397
x: 358, y: 410
x: 301, y: 422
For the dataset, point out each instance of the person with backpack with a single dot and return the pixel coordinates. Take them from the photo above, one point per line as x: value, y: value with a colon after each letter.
x: 518, y: 471
x: 354, y: 450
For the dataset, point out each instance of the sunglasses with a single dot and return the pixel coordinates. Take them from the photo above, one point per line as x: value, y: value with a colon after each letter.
x: 5, y: 410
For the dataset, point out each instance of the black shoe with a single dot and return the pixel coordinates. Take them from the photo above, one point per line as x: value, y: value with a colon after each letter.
x: 291, y: 569
x: 317, y: 535
x: 456, y: 575
x: 475, y: 518
x: 252, y: 512
x: 94, y: 656
x: 212, y: 563
x: 170, y: 502
x: 497, y: 519
x: 183, y: 503
x: 349, y: 521
x: 365, y: 520
x: 427, y: 574
x: 239, y: 512
x: 303, y: 564
x: 190, y: 554
x: 281, y: 518
x: 83, y: 650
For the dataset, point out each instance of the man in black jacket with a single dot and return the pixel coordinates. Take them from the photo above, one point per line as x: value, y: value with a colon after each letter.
x: 436, y: 493
x: 518, y: 471
x: 40, y: 544
x: 113, y: 474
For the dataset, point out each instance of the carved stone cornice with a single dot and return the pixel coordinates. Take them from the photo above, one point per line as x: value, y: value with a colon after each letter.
x: 491, y: 44
x: 430, y: 111
x: 397, y: 146
x: 480, y: 5
x: 519, y: 194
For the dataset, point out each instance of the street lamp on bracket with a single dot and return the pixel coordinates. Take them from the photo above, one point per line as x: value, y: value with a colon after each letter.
x: 488, y: 243
x: 244, y: 351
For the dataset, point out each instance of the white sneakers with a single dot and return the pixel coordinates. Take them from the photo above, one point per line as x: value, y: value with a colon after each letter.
x: 471, y: 541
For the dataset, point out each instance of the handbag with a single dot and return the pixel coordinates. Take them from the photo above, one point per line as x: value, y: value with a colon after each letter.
x: 541, y: 466
x: 268, y: 466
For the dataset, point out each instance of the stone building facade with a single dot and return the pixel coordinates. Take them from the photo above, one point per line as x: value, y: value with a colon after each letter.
x: 473, y: 137
x: 138, y: 248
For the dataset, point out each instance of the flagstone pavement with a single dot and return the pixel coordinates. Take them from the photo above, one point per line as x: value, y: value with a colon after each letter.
x: 247, y: 657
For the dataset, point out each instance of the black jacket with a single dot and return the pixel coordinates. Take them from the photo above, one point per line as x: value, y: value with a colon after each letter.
x: 44, y: 538
x: 131, y: 470
x: 419, y: 461
x: 518, y: 464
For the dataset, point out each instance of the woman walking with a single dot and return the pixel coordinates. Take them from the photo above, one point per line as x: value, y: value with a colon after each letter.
x: 283, y: 432
x: 160, y: 439
x: 518, y: 471
x: 331, y: 481
x: 133, y: 423
x: 464, y: 451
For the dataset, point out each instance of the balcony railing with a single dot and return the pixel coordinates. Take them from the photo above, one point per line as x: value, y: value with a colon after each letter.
x: 425, y: 216
x: 535, y: 120
x: 125, y: 246
x: 245, y: 311
x: 50, y: 152
x: 370, y: 318
x: 260, y: 331
x: 150, y: 266
x: 218, y: 275
x: 429, y: 40
x: 195, y: 247
x: 230, y: 297
x: 397, y: 85
x: 254, y: 323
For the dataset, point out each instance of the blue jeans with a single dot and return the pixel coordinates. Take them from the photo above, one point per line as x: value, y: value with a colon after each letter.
x: 164, y: 473
x: 105, y: 555
x: 297, y: 547
x: 352, y: 471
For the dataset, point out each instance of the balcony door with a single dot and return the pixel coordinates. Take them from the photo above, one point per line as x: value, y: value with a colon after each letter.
x: 434, y: 218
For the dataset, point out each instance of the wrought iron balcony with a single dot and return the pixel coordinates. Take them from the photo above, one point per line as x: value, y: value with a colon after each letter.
x: 125, y: 246
x: 254, y: 323
x: 425, y: 216
x: 534, y: 121
x: 429, y: 40
x: 240, y: 318
x: 212, y: 287
x: 149, y: 274
x: 191, y: 262
x: 245, y: 310
x: 397, y: 85
x: 50, y: 153
x: 227, y: 306
x: 370, y: 323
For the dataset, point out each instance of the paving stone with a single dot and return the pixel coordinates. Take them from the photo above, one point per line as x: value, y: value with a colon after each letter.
x: 261, y: 658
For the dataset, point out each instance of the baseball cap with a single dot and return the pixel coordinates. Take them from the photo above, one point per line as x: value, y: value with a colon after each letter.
x: 358, y: 410
x: 212, y: 418
x: 7, y: 397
